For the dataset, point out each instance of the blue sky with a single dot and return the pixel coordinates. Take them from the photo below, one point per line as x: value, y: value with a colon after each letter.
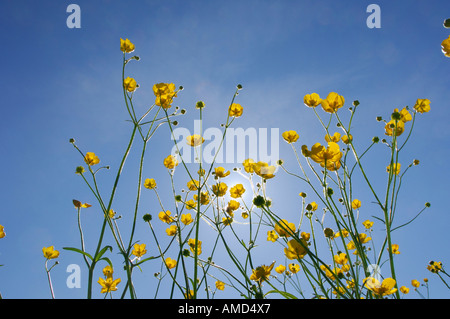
x: 60, y: 83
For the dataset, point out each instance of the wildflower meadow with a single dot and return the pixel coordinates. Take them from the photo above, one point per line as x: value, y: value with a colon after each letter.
x: 170, y: 190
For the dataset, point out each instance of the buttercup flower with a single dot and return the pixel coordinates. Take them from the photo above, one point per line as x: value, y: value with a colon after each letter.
x: 204, y: 198
x: 129, y: 84
x: 405, y: 116
x: 415, y: 283
x: 333, y: 102
x: 383, y: 289
x: 235, y: 110
x: 434, y: 266
x: 295, y: 249
x: 445, y: 45
x: 294, y: 268
x: 79, y: 204
x: 232, y: 206
x: 165, y: 216
x: 91, y: 159
x: 284, y: 228
x: 2, y: 231
x: 126, y: 46
x: 219, y: 189
x: 290, y: 136
x: 367, y: 224
x: 139, y: 250
x: 356, y: 204
x: 335, y: 138
x: 192, y: 185
x: 395, y: 250
x: 346, y: 139
x: 186, y: 219
x: 50, y: 252
x: 395, y: 168
x: 109, y: 284
x: 108, y: 271
x: 261, y: 273
x: 191, y: 204
x: 195, y: 140
x: 220, y: 172
x: 280, y: 269
x: 422, y: 105
x: 248, y: 165
x: 272, y: 236
x: 170, y: 263
x: 394, y: 127
x: 312, y: 100
x: 164, y: 93
x: 237, y: 191
x: 171, y: 231
x: 220, y: 285
x: 312, y: 206
x: 170, y: 162
x: 227, y: 221
x: 191, y: 244
x: 404, y: 290
x: 264, y: 170
x: 150, y: 183
x: 341, y: 259
x: 329, y: 157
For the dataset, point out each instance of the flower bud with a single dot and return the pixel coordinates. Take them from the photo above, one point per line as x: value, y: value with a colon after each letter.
x: 447, y: 23
x: 147, y: 217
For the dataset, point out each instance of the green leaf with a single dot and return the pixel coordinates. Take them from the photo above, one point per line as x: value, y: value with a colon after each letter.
x: 101, y: 252
x: 283, y: 293
x: 79, y: 251
x: 144, y: 260
x: 107, y: 260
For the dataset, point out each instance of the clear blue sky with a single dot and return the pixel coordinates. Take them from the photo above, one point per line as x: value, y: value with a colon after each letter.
x: 60, y: 83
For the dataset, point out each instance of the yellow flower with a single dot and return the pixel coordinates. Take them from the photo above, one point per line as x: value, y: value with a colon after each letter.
x: 109, y: 284
x: 50, y: 252
x: 108, y: 271
x: 344, y: 233
x: 333, y: 102
x: 405, y: 116
x: 329, y: 157
x: 232, y: 206
x: 395, y: 168
x: 383, y: 289
x: 305, y: 236
x: 395, y: 250
x: 280, y: 269
x: 335, y: 138
x: 356, y: 204
x: 284, y: 228
x: 422, y: 105
x: 404, y: 290
x: 195, y: 140
x: 264, y: 170
x: 220, y: 285
x: 445, y: 45
x: 312, y: 206
x: 341, y: 259
x: 189, y: 294
x: 192, y: 185
x: 227, y: 221
x: 272, y: 236
x: 367, y: 224
x: 219, y: 189
x: 294, y: 268
x: 191, y: 244
x: 394, y: 127
x: 186, y: 219
x: 170, y: 263
x: 237, y: 191
x: 204, y: 198
x: 171, y: 231
x: 139, y: 250
x: 332, y: 274
x: 290, y: 136
x: 235, y: 110
x: 434, y: 266
x: 312, y: 100
x: 91, y: 159
x: 220, y: 172
x: 191, y: 204
x: 126, y: 46
x: 2, y: 231
x: 248, y: 165
x: 347, y: 139
x: 244, y: 215
x: 170, y: 162
x: 415, y: 283
x: 79, y: 204
x: 150, y: 183
x: 261, y: 273
x: 164, y: 92
x: 363, y: 238
x: 130, y: 84
x: 295, y: 249
x: 165, y: 217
